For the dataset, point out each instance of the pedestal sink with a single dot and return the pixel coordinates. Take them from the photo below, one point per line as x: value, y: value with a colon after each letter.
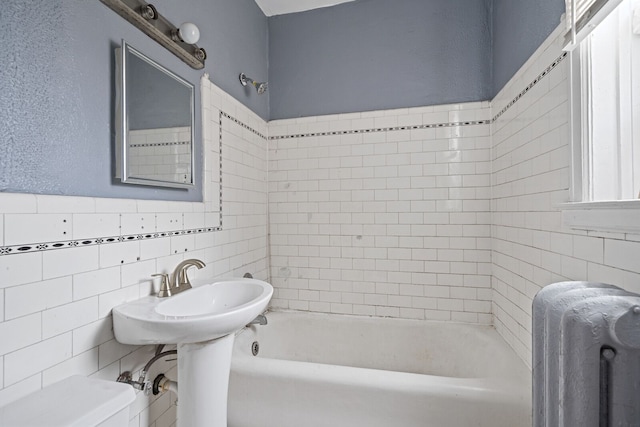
x: 202, y: 322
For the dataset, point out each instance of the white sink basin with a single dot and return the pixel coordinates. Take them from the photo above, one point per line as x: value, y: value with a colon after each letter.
x: 200, y: 314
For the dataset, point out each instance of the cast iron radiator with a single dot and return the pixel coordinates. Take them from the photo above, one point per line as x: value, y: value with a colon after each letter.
x: 586, y: 356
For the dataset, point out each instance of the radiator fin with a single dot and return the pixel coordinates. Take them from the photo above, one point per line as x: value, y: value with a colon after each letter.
x: 586, y: 356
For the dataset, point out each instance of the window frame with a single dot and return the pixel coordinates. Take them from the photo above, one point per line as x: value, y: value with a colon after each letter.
x: 620, y: 216
x: 586, y: 21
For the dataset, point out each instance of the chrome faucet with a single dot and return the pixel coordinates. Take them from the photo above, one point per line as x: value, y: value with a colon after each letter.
x: 179, y: 279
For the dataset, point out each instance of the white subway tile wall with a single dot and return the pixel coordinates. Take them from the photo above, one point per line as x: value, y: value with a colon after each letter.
x: 55, y: 305
x: 160, y: 154
x: 378, y: 214
x: 39, y: 296
x: 26, y: 228
x: 530, y: 177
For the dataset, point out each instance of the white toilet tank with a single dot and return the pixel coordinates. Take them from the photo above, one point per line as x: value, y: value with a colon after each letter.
x: 73, y: 402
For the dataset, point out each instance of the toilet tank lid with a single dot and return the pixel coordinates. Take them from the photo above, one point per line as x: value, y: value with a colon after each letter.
x: 73, y: 402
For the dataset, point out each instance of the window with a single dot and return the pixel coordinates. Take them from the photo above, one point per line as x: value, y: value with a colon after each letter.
x: 605, y: 86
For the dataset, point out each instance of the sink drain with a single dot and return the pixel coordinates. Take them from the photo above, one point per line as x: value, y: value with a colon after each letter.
x: 255, y: 348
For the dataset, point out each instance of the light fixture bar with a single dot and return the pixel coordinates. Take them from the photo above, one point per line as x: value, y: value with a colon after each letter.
x: 146, y: 18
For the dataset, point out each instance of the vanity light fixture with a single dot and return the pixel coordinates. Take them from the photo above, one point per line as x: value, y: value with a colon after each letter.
x: 181, y: 41
x: 187, y: 32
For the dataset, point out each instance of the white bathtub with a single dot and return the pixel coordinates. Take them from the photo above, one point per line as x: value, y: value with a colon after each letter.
x: 346, y: 371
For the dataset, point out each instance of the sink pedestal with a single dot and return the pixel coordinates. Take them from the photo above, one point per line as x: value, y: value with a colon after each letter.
x: 202, y: 321
x: 203, y: 382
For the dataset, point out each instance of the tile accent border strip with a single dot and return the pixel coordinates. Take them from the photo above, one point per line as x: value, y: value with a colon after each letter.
x: 65, y: 244
x: 220, y: 116
x: 535, y: 81
x: 387, y: 129
x: 244, y: 125
x: 159, y: 144
x: 46, y: 246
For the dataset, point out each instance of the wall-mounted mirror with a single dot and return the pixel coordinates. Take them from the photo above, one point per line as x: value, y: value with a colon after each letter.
x: 155, y: 123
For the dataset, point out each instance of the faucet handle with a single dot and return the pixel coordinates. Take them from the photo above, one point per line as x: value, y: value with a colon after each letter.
x: 165, y: 288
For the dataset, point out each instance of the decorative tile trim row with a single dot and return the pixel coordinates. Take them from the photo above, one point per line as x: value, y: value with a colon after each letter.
x: 387, y: 129
x: 222, y: 114
x: 160, y: 144
x: 530, y: 86
x: 242, y: 124
x: 63, y: 244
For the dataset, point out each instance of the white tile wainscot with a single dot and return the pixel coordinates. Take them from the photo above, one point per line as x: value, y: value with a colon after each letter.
x: 531, y: 247
x: 55, y: 304
x: 383, y: 213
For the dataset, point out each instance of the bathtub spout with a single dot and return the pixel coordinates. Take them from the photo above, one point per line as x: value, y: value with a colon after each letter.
x: 260, y: 320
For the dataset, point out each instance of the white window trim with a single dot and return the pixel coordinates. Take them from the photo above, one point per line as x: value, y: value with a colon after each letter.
x: 621, y: 216
x: 616, y: 216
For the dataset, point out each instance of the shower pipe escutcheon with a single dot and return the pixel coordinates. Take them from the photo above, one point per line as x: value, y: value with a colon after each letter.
x: 261, y: 87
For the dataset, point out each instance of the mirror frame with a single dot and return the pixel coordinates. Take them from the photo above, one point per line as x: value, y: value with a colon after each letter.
x: 122, y: 120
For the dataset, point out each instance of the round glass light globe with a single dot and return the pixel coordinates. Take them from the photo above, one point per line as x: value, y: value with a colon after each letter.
x: 189, y: 33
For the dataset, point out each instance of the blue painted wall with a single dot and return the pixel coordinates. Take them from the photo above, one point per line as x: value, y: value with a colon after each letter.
x: 379, y: 54
x: 155, y: 99
x: 57, y: 75
x: 519, y: 27
x: 57, y: 87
